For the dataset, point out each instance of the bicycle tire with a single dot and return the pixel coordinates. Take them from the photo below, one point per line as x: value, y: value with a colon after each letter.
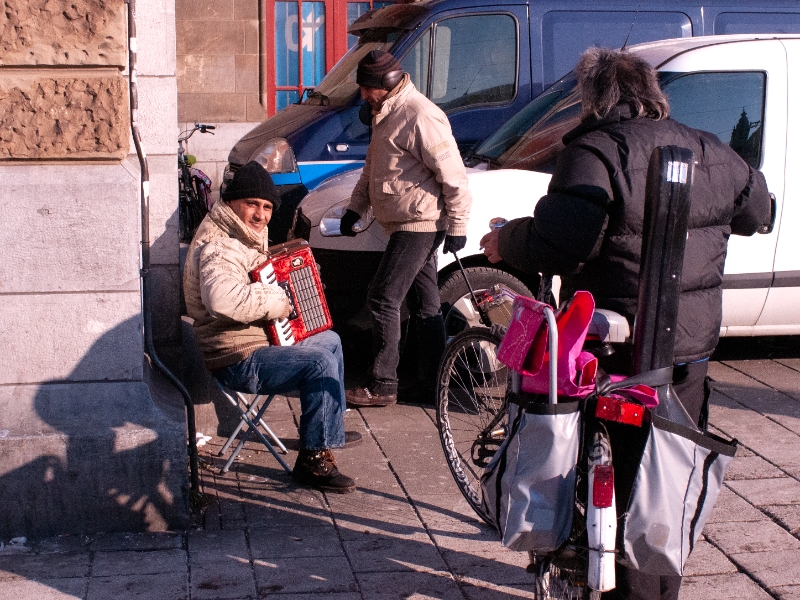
x: 471, y: 408
x: 190, y: 215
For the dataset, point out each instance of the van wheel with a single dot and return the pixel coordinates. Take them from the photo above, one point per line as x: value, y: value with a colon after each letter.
x: 457, y: 308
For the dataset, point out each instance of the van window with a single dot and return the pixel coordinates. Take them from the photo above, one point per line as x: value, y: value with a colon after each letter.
x: 728, y: 104
x: 339, y: 87
x: 566, y: 34
x: 474, y: 61
x: 416, y: 61
x: 355, y: 10
x: 730, y: 22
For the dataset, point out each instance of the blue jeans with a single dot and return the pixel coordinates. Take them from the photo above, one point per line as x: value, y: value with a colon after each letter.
x: 407, y: 269
x: 313, y: 367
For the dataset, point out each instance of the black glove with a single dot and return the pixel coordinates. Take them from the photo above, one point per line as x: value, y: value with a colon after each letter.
x: 454, y: 243
x: 349, y: 218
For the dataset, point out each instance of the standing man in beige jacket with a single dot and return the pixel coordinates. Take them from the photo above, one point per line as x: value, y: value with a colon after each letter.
x: 416, y: 183
x: 230, y: 314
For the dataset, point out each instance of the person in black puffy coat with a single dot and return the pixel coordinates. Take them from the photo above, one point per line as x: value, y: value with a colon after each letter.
x: 588, y: 227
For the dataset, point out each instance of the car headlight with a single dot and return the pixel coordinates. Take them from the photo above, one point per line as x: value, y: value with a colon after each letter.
x: 332, y: 219
x: 277, y: 156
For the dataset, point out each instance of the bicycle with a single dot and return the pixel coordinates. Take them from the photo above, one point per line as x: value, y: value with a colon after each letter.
x: 472, y: 417
x: 194, y: 187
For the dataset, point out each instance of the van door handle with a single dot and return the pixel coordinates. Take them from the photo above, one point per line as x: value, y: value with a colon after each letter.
x: 768, y: 227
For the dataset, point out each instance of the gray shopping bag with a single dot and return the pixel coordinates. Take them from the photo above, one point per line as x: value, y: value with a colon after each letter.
x: 676, y: 486
x: 529, y: 486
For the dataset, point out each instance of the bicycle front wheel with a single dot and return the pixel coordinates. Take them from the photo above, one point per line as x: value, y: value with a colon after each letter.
x: 472, y: 408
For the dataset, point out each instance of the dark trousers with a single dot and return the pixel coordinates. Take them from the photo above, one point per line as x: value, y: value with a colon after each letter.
x: 689, y: 383
x: 407, y: 269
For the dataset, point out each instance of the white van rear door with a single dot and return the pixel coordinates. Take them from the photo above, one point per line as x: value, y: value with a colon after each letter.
x: 750, y: 260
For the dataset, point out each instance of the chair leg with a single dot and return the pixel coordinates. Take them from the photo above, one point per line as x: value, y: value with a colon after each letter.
x: 275, y: 439
x: 245, y: 419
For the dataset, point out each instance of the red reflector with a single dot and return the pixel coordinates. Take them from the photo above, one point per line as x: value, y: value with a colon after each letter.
x: 616, y: 409
x: 603, y: 488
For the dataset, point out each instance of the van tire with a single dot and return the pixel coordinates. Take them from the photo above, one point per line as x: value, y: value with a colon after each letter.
x: 454, y: 288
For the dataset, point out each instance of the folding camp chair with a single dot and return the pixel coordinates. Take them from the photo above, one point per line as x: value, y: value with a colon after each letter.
x: 251, y: 414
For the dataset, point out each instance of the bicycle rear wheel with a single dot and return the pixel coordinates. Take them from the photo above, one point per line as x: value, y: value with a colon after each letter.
x: 472, y: 408
x: 190, y: 215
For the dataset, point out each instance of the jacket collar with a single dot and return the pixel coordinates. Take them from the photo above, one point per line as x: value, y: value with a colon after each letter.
x: 222, y: 214
x: 621, y: 112
x: 396, y: 97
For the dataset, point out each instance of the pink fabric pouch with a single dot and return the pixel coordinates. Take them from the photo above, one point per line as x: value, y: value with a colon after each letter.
x: 524, y: 347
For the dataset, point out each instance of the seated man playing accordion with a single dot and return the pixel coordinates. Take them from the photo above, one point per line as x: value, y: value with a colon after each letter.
x: 230, y: 317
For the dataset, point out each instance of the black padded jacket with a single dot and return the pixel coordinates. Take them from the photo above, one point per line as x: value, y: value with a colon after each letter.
x: 588, y: 227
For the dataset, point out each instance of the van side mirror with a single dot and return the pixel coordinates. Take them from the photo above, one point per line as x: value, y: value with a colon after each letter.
x: 365, y: 114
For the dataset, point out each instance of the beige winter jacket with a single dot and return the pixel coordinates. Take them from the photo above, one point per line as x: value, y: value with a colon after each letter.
x: 413, y: 176
x: 229, y: 311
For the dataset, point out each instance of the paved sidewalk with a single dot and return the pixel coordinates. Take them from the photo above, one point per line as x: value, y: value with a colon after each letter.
x: 407, y: 532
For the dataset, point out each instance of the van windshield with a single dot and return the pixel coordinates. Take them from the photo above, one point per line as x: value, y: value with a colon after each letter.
x: 339, y: 87
x: 517, y: 126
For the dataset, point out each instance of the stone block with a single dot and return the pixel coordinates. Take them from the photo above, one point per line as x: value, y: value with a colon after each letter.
x: 204, y: 10
x: 71, y: 337
x: 256, y: 111
x: 253, y: 43
x: 132, y: 562
x: 245, y: 9
x: 220, y: 108
x: 90, y: 457
x: 217, y: 147
x: 247, y: 74
x: 210, y: 37
x: 158, y: 114
x: 304, y: 575
x: 164, y: 245
x: 155, y: 34
x: 716, y: 587
x: 772, y: 568
x: 49, y: 589
x: 64, y: 32
x: 69, y: 229
x: 52, y: 115
x: 768, y: 491
x: 759, y: 536
x: 206, y: 74
x: 162, y: 586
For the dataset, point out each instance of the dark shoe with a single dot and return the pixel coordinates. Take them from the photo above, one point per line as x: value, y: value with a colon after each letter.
x: 318, y: 469
x: 352, y: 438
x: 363, y: 397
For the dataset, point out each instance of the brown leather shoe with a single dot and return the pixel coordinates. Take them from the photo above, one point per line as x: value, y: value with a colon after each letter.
x: 318, y: 469
x: 360, y: 397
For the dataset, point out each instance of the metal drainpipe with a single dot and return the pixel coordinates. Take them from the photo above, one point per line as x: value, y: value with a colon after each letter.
x: 145, y: 273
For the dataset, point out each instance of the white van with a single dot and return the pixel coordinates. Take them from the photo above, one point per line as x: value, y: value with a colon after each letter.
x: 742, y: 88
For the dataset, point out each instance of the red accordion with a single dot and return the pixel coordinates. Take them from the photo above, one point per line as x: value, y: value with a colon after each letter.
x: 291, y: 266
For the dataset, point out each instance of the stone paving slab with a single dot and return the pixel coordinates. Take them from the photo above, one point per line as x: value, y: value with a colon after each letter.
x: 408, y: 532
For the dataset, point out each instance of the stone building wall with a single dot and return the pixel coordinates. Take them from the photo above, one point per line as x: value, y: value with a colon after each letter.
x: 90, y: 439
x: 220, y: 59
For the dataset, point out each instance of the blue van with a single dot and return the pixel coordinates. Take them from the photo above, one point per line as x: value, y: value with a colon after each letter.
x: 481, y: 62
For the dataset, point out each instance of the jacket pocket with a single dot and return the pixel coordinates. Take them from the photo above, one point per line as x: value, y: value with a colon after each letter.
x: 400, y: 202
x: 397, y: 187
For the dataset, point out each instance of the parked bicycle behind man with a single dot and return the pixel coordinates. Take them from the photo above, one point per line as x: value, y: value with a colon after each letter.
x: 588, y: 228
x: 416, y: 184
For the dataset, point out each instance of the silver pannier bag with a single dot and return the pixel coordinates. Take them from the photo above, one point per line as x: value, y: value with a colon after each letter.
x: 675, y: 488
x: 529, y: 486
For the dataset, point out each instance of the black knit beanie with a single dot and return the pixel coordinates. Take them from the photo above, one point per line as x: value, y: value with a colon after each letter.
x: 252, y: 181
x: 374, y: 66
